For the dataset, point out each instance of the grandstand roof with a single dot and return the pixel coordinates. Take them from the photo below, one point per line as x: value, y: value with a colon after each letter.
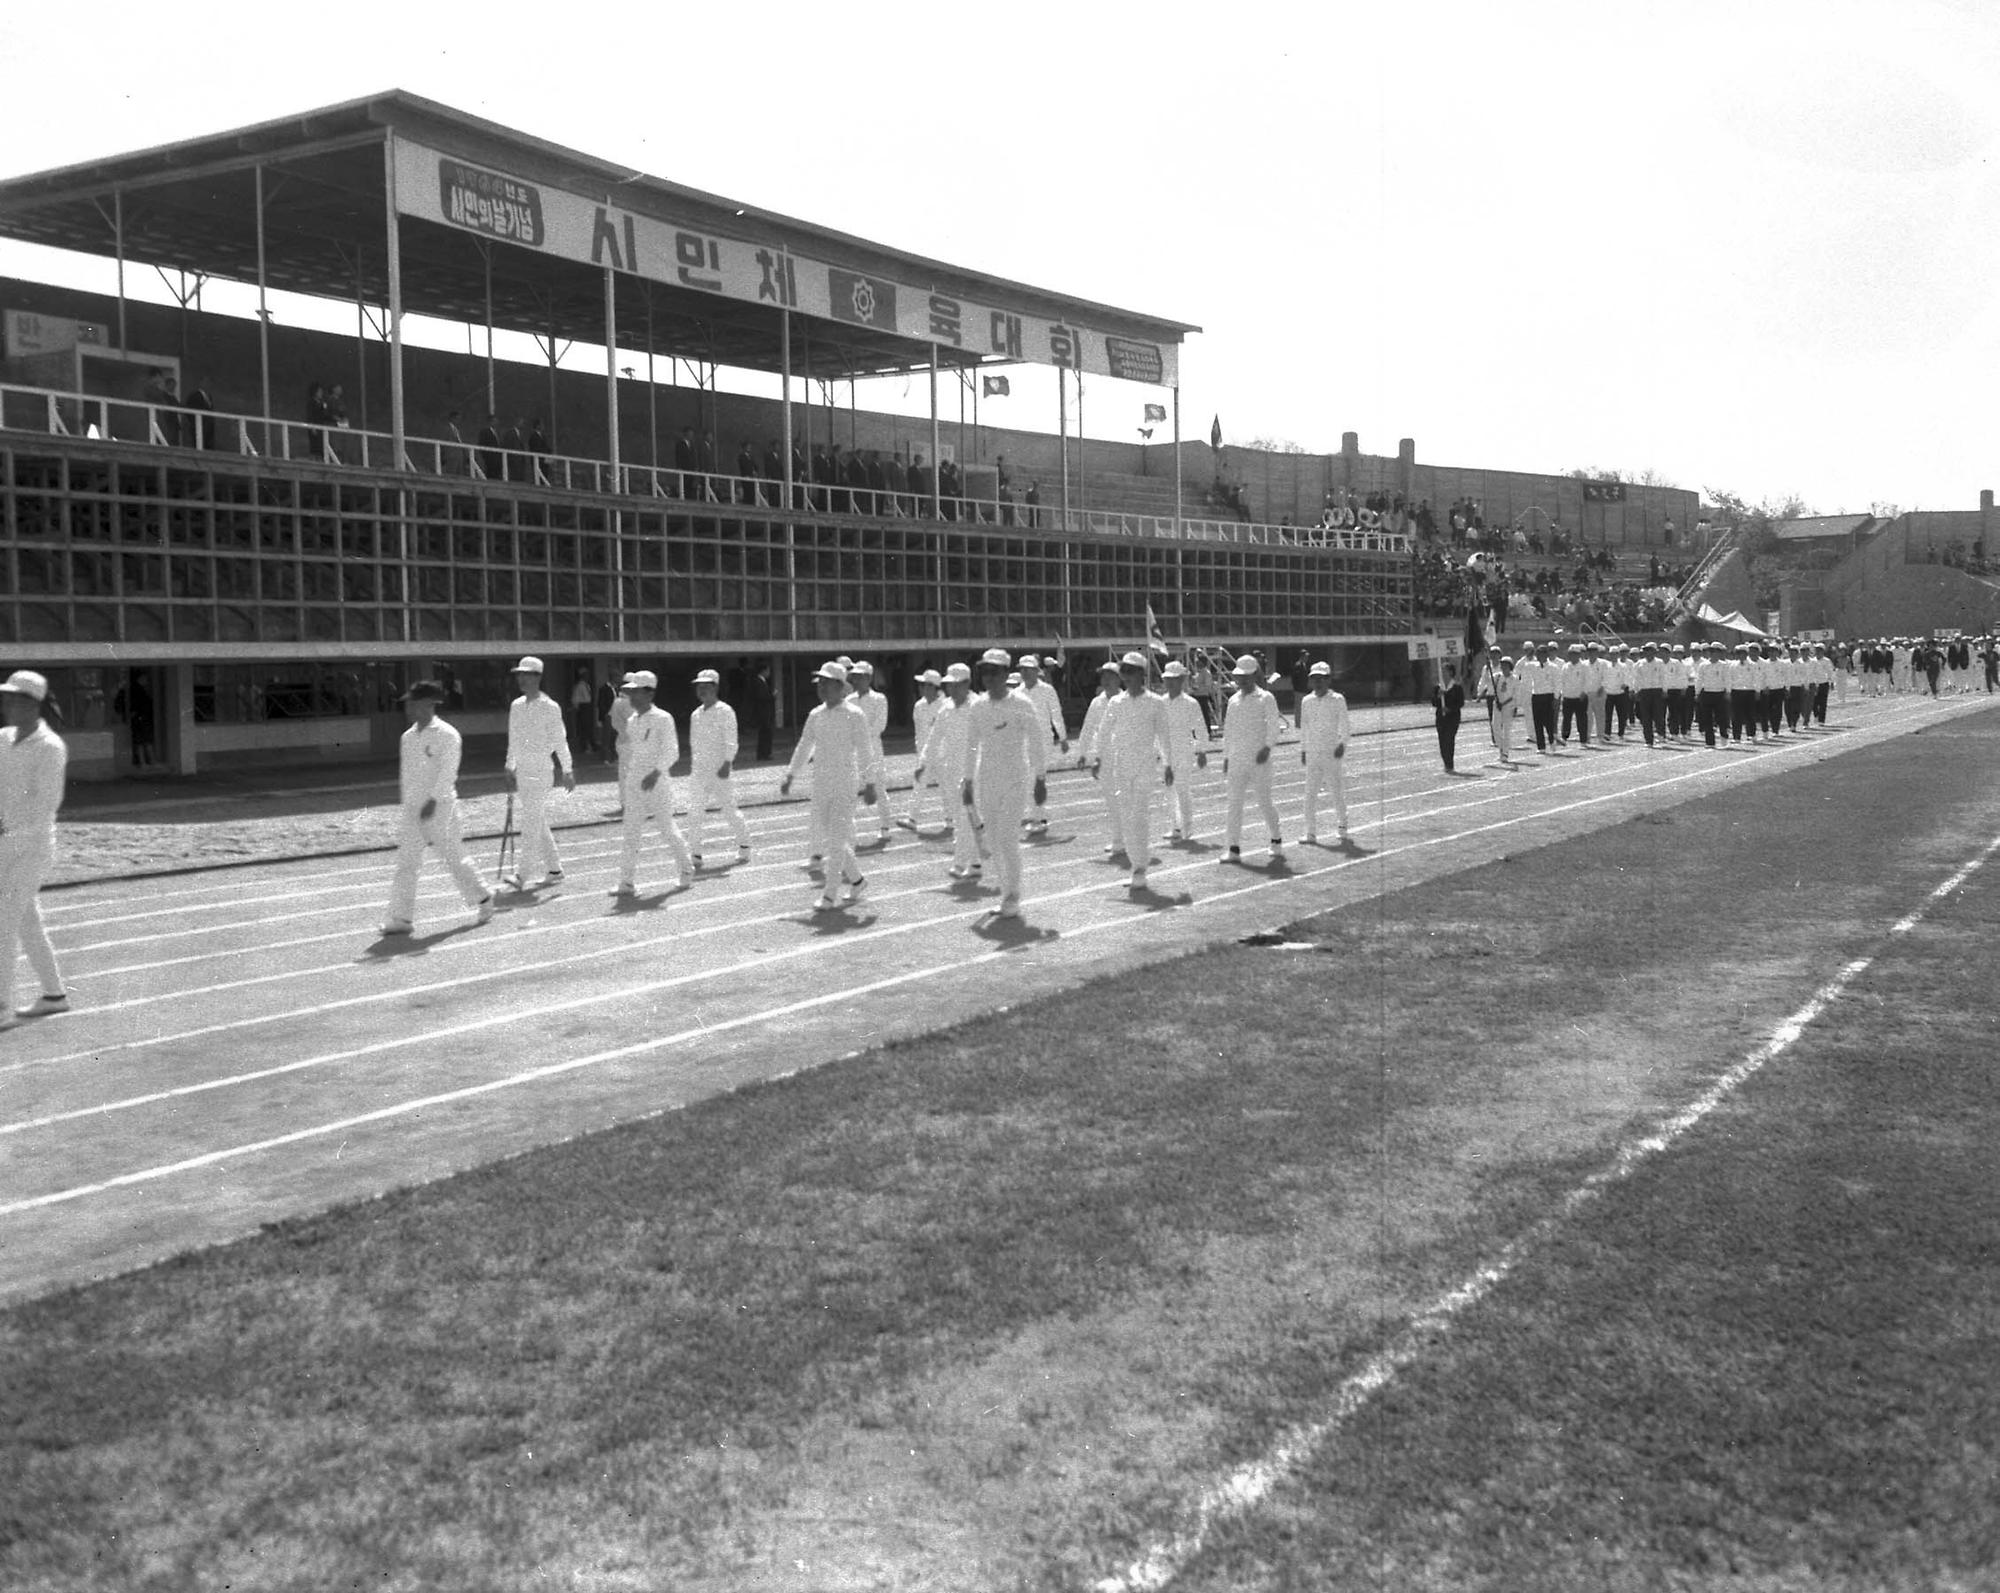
x: 191, y: 206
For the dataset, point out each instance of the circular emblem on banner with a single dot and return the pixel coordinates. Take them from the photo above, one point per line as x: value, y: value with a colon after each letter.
x: 864, y: 298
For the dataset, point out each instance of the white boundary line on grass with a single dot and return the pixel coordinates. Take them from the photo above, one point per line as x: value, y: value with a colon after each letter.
x: 1249, y: 1485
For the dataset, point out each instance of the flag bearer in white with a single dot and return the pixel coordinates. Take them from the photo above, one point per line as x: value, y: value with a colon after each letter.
x: 845, y: 756
x: 875, y: 709
x: 711, y: 755
x: 537, y: 745
x: 1043, y: 695
x: 1506, y: 692
x: 428, y: 758
x: 1187, y: 743
x: 1006, y: 765
x: 34, y: 764
x: 1250, y: 730
x: 656, y: 747
x: 942, y: 755
x: 1133, y: 742
x: 1323, y: 729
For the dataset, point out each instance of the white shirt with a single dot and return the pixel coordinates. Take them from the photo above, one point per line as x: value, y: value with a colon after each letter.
x: 1187, y: 731
x: 655, y: 742
x: 535, y: 734
x: 922, y: 712
x: 1044, y: 697
x: 1323, y: 723
x: 427, y: 761
x: 875, y: 707
x: 844, y: 753
x: 1093, y: 725
x: 33, y: 767
x: 1252, y: 724
x: 1006, y: 743
x: 943, y: 748
x: 1135, y: 737
x: 711, y: 738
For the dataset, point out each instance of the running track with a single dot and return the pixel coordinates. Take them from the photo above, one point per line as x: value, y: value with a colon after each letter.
x: 245, y: 1048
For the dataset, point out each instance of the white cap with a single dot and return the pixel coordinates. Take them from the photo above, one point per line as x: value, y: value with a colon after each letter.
x: 530, y: 665
x: 931, y: 677
x: 1174, y: 671
x: 833, y: 670
x: 997, y: 657
x: 708, y: 677
x: 1132, y: 661
x: 1030, y: 661
x: 861, y: 666
x: 1246, y: 665
x: 26, y: 683
x: 958, y: 674
x: 1108, y: 667
x: 643, y: 679
x: 1013, y: 677
x: 1321, y: 668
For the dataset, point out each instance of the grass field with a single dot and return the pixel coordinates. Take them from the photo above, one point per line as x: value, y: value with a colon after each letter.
x: 991, y: 1309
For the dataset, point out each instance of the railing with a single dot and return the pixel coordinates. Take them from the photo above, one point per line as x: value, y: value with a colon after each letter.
x: 94, y: 417
x: 1711, y: 561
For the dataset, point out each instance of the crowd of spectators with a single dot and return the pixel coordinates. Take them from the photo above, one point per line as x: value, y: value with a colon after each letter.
x: 1586, y: 594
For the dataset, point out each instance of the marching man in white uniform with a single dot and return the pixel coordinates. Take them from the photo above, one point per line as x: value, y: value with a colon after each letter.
x: 875, y: 709
x: 1506, y: 691
x: 923, y: 714
x: 1323, y: 730
x: 1043, y: 695
x: 1006, y: 766
x: 656, y: 747
x: 711, y: 755
x: 34, y: 763
x: 1250, y: 730
x: 537, y: 744
x: 428, y: 759
x: 1187, y: 742
x: 845, y: 756
x: 619, y: 717
x: 1133, y: 742
x: 1090, y: 744
x: 942, y: 754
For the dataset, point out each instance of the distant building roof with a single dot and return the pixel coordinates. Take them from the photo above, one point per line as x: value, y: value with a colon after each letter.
x: 1823, y: 525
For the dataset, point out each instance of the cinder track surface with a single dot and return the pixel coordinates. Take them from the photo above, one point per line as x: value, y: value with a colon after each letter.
x: 246, y: 1048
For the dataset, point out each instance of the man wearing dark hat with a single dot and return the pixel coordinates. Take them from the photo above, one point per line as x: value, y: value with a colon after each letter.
x: 427, y: 759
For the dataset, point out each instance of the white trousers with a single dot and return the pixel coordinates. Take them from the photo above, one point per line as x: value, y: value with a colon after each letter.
x: 1180, y: 796
x: 1247, y: 776
x: 1001, y: 808
x: 705, y: 790
x: 1325, y: 774
x: 23, y: 863
x: 650, y: 807
x: 1132, y: 804
x: 538, y: 840
x: 833, y: 832
x: 441, y: 831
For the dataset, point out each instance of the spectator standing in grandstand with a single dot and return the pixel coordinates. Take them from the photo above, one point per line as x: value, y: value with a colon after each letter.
x: 513, y: 443
x: 1187, y: 743
x: 1043, y: 695
x: 746, y: 473
x: 774, y: 472
x: 492, y: 464
x: 1447, y: 706
x: 712, y: 742
x: 34, y: 765
x: 317, y: 418
x: 836, y: 741
x: 684, y: 464
x: 1031, y: 501
x: 428, y: 759
x: 454, y: 458
x: 1250, y: 732
x: 656, y: 747
x: 538, y: 449
x: 537, y: 753
x: 1006, y: 767
x: 1323, y: 737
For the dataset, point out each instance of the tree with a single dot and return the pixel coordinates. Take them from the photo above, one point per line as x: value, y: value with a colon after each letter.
x: 1276, y: 445
x: 1648, y: 477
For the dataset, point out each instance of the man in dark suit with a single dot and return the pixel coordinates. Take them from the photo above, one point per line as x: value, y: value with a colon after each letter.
x: 763, y: 708
x: 491, y: 465
x: 684, y: 461
x: 774, y: 472
x: 746, y: 471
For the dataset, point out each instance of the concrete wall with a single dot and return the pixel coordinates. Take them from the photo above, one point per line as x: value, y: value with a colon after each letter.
x: 1914, y: 600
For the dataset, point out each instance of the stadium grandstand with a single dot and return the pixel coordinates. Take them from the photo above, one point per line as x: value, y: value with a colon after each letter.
x: 197, y: 511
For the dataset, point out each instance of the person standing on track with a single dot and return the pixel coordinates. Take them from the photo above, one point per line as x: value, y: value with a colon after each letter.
x: 1134, y: 740
x: 712, y: 739
x: 1043, y: 695
x: 1447, y: 706
x: 428, y: 758
x: 845, y: 757
x: 1575, y: 698
x: 537, y: 752
x: 923, y: 714
x: 1187, y: 742
x: 34, y: 765
x: 656, y: 748
x: 1091, y: 745
x: 1323, y: 731
x: 615, y: 723
x: 1251, y: 726
x: 1006, y: 767
x: 943, y: 755
x: 1505, y: 692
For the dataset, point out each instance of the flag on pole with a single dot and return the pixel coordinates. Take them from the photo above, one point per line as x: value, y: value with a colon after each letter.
x: 1215, y: 435
x: 1155, y: 638
x: 1155, y: 413
x: 994, y: 387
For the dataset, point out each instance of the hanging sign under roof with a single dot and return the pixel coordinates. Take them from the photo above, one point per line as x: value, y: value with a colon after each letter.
x: 432, y: 186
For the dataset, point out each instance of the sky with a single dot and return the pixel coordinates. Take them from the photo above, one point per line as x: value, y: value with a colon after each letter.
x: 1748, y: 246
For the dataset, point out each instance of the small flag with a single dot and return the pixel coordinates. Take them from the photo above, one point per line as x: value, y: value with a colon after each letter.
x: 1215, y: 435
x: 994, y: 387
x: 1155, y: 413
x: 1155, y: 639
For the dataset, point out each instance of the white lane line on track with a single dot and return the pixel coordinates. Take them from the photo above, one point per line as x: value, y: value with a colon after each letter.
x: 658, y: 942
x: 1243, y: 1489
x: 663, y: 1042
